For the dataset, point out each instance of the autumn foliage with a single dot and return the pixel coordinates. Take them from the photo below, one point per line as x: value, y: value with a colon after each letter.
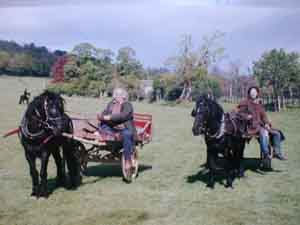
x: 57, y: 69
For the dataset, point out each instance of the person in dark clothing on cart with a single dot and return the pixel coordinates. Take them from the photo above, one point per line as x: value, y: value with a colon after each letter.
x: 118, y: 117
x: 252, y: 110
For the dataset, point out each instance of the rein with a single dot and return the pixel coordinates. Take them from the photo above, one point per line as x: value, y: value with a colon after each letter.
x: 221, y: 130
x: 46, y: 125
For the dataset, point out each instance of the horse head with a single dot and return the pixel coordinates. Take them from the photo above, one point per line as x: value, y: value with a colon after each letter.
x: 208, y: 115
x: 46, y: 112
x: 200, y: 113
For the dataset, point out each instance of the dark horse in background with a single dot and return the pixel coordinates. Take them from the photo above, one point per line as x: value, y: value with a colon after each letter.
x: 40, y: 134
x: 24, y: 98
x: 211, y: 121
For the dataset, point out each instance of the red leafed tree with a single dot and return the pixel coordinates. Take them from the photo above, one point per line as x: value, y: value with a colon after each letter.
x: 57, y: 69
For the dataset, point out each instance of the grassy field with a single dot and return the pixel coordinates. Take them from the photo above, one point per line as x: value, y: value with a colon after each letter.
x: 170, y: 189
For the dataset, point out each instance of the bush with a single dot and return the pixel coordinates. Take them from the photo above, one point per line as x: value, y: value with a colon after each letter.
x: 82, y: 87
x: 174, y: 93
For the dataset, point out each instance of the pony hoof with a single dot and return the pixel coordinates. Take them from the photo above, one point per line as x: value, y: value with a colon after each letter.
x: 229, y: 186
x: 212, y: 186
x: 73, y: 187
x: 34, y: 194
x: 44, y: 195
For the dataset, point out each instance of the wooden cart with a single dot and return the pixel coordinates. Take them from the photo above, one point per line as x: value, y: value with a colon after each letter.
x: 101, y: 147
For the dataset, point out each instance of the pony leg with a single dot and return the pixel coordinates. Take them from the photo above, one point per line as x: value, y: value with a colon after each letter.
x: 211, y: 160
x: 230, y: 170
x: 43, y: 174
x: 60, y: 166
x: 69, y: 152
x: 240, y: 157
x: 33, y: 173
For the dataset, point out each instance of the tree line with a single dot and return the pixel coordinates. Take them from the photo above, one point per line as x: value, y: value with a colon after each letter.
x: 276, y: 72
x: 27, y: 59
x: 88, y: 70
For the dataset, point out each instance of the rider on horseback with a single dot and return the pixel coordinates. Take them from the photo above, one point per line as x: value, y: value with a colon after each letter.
x: 252, y: 111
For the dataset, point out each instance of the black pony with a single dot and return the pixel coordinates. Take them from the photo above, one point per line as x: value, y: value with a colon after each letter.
x: 24, y: 98
x: 211, y: 121
x: 40, y: 134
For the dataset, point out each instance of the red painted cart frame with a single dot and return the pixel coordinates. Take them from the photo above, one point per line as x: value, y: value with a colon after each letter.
x: 94, y: 146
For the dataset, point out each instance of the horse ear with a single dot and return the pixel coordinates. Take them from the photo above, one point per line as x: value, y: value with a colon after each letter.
x: 193, y: 113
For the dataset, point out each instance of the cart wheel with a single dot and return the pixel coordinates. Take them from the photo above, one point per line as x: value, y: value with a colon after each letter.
x: 83, y: 157
x: 130, y: 175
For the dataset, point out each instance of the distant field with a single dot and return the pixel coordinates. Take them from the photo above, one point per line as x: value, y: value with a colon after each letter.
x: 170, y: 190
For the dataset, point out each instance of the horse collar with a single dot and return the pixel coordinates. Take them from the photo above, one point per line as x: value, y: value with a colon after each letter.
x: 220, y: 132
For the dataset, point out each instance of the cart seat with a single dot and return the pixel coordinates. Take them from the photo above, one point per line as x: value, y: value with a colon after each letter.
x: 87, y: 130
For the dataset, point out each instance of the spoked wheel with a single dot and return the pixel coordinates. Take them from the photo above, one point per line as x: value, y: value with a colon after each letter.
x: 130, y: 174
x: 83, y: 157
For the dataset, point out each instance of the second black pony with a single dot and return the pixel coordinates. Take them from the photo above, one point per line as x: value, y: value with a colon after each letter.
x: 40, y: 134
x: 24, y: 98
x: 211, y: 121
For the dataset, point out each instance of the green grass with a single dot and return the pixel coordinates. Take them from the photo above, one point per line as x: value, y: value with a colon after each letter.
x: 169, y: 190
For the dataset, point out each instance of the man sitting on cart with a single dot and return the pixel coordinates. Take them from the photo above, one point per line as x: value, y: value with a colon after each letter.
x: 259, y: 125
x: 118, y: 117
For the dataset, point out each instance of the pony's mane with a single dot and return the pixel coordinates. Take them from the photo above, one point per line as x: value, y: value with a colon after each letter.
x: 216, y: 110
x: 39, y: 100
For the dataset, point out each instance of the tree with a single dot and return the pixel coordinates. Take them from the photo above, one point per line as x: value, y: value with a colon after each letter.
x: 211, y: 50
x: 192, y: 62
x: 277, y: 69
x: 58, y: 69
x: 85, y: 50
x: 191, y: 57
x: 21, y: 64
x: 71, y: 68
x: 127, y: 63
x: 185, y: 62
x: 89, y: 70
x: 105, y: 55
x: 4, y: 61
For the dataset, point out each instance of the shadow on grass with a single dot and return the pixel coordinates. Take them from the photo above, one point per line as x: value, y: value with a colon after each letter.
x: 106, y: 170
x: 52, y: 185
x: 202, y: 175
x: 100, y: 171
x: 252, y: 164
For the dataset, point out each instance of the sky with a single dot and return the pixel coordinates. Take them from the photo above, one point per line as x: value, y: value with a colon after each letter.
x: 153, y: 28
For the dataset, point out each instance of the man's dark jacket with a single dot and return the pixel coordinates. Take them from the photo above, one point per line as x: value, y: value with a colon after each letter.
x: 125, y: 117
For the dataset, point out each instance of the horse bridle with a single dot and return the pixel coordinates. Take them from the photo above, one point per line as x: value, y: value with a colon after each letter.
x: 220, y: 132
x: 204, y: 122
x: 46, y: 125
x: 49, y: 118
